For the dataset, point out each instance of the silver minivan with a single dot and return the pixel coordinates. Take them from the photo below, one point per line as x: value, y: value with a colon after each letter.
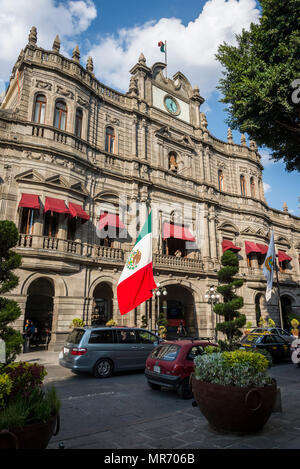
x: 104, y: 350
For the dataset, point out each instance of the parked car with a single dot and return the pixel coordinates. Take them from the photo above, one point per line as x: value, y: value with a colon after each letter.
x: 104, y: 350
x: 171, y: 364
x: 275, y: 330
x: 273, y: 343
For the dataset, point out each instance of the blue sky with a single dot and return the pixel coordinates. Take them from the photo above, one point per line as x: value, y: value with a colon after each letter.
x: 114, y: 33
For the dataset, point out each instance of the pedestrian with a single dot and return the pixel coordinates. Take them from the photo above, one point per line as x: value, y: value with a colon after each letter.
x: 33, y: 337
x: 181, y: 329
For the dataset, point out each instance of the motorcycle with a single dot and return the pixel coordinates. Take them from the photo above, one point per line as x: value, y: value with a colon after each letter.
x: 295, y: 352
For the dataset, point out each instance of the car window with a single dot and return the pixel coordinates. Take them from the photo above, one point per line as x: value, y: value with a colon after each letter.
x: 269, y: 339
x: 274, y: 331
x: 282, y: 332
x: 75, y: 336
x: 144, y: 337
x: 126, y: 336
x: 279, y: 340
x: 101, y: 337
x: 194, y: 352
x: 252, y: 339
x: 166, y: 352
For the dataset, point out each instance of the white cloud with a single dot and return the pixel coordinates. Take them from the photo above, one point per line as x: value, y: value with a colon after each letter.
x: 267, y: 187
x: 190, y: 48
x: 66, y: 18
x: 265, y: 158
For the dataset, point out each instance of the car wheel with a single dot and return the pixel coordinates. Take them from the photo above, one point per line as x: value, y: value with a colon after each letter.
x: 103, y: 368
x: 154, y: 386
x: 184, y: 391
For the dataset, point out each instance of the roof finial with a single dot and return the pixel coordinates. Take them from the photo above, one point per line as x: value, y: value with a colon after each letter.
x: 32, y: 38
x: 76, y: 54
x: 285, y: 207
x: 243, y: 140
x: 56, y: 44
x: 203, y: 120
x: 229, y: 136
x: 142, y: 59
x: 90, y: 65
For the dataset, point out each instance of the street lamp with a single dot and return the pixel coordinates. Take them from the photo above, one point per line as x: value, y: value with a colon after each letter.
x: 158, y: 292
x: 212, y: 298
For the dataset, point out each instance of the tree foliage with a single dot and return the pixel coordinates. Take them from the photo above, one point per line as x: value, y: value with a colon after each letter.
x: 229, y: 309
x: 9, y: 309
x: 261, y: 80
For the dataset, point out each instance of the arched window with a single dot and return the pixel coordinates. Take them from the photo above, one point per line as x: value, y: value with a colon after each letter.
x: 78, y: 123
x: 39, y: 109
x: 252, y: 187
x: 243, y: 185
x: 221, y: 180
x: 173, y: 166
x: 110, y: 140
x: 60, y: 118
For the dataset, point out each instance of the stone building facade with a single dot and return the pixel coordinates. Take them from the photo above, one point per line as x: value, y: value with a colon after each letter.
x: 81, y: 166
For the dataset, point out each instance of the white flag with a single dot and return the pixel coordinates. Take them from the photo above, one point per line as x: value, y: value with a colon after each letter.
x: 269, y: 267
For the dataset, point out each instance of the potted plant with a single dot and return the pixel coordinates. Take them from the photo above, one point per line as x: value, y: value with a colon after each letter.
x: 233, y: 390
x: 295, y: 325
x: 29, y: 413
x: 111, y: 323
x: 77, y: 322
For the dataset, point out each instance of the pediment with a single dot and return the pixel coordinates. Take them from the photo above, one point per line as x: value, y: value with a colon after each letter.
x: 57, y: 180
x: 30, y: 176
x: 79, y: 187
x: 283, y: 241
x: 229, y: 228
x: 248, y: 231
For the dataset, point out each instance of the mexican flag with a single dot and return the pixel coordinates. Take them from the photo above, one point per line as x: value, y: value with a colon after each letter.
x: 136, y: 282
x: 161, y: 45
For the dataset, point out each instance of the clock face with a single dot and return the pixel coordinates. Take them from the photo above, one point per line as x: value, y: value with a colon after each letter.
x: 171, y: 105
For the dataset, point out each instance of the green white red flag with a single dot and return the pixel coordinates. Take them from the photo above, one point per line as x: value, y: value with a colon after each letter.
x: 137, y: 282
x: 161, y: 45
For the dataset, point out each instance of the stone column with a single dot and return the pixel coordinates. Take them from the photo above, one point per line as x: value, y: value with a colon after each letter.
x: 134, y: 137
x: 206, y: 244
x: 212, y: 234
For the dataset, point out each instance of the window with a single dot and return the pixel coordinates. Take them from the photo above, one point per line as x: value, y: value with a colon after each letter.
x: 221, y: 180
x: 72, y: 226
x: 252, y: 187
x: 60, y: 118
x: 39, y: 109
x: 194, y: 352
x: 27, y: 221
x: 166, y: 352
x: 101, y: 337
x: 243, y: 185
x: 75, y: 336
x: 51, y: 224
x: 126, y: 337
x: 110, y: 140
x: 144, y: 337
x: 78, y: 123
x: 173, y: 166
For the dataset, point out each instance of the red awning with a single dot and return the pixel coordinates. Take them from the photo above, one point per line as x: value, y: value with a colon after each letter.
x: 30, y: 201
x: 226, y: 245
x: 251, y: 247
x: 77, y: 211
x: 110, y: 219
x: 282, y: 256
x: 55, y: 205
x: 263, y: 248
x: 178, y: 232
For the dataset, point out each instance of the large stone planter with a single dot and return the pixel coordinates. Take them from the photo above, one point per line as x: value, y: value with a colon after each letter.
x: 33, y: 436
x: 234, y: 409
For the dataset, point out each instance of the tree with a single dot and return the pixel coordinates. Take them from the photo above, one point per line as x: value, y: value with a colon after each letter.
x: 261, y: 80
x: 233, y: 319
x: 9, y: 309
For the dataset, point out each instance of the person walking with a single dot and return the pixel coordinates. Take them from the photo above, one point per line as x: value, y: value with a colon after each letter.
x: 181, y: 329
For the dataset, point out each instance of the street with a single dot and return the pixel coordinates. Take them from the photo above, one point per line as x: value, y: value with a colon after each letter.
x: 122, y: 412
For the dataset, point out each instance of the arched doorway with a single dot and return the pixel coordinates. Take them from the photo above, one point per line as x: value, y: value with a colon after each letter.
x: 179, y: 305
x: 287, y: 312
x: 39, y: 307
x: 102, y: 304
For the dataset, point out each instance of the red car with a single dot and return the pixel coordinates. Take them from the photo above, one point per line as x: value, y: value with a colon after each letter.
x: 171, y: 363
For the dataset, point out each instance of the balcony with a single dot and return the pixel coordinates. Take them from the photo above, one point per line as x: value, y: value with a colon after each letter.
x: 77, y: 252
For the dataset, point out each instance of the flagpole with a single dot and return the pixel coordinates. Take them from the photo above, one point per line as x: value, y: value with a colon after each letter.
x: 166, y: 59
x: 278, y: 293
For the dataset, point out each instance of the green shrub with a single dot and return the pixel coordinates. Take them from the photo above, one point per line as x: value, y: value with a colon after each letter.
x: 266, y: 354
x: 212, y: 349
x: 111, y: 323
x: 77, y: 322
x: 25, y: 378
x: 232, y: 369
x: 5, y: 388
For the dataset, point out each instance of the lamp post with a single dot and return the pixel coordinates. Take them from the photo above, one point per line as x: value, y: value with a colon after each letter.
x: 158, y: 292
x: 212, y: 297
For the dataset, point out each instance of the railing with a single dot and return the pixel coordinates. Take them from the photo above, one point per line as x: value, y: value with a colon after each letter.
x: 185, y: 263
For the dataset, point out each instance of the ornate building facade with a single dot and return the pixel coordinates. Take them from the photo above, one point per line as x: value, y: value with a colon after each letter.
x: 81, y: 165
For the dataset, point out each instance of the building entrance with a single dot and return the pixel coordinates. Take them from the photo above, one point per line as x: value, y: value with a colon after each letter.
x: 102, y: 304
x: 178, y: 306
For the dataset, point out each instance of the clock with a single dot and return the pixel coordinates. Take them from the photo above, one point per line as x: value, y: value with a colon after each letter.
x: 172, y: 105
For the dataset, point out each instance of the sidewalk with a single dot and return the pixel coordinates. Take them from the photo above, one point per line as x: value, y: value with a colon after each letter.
x: 42, y: 357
